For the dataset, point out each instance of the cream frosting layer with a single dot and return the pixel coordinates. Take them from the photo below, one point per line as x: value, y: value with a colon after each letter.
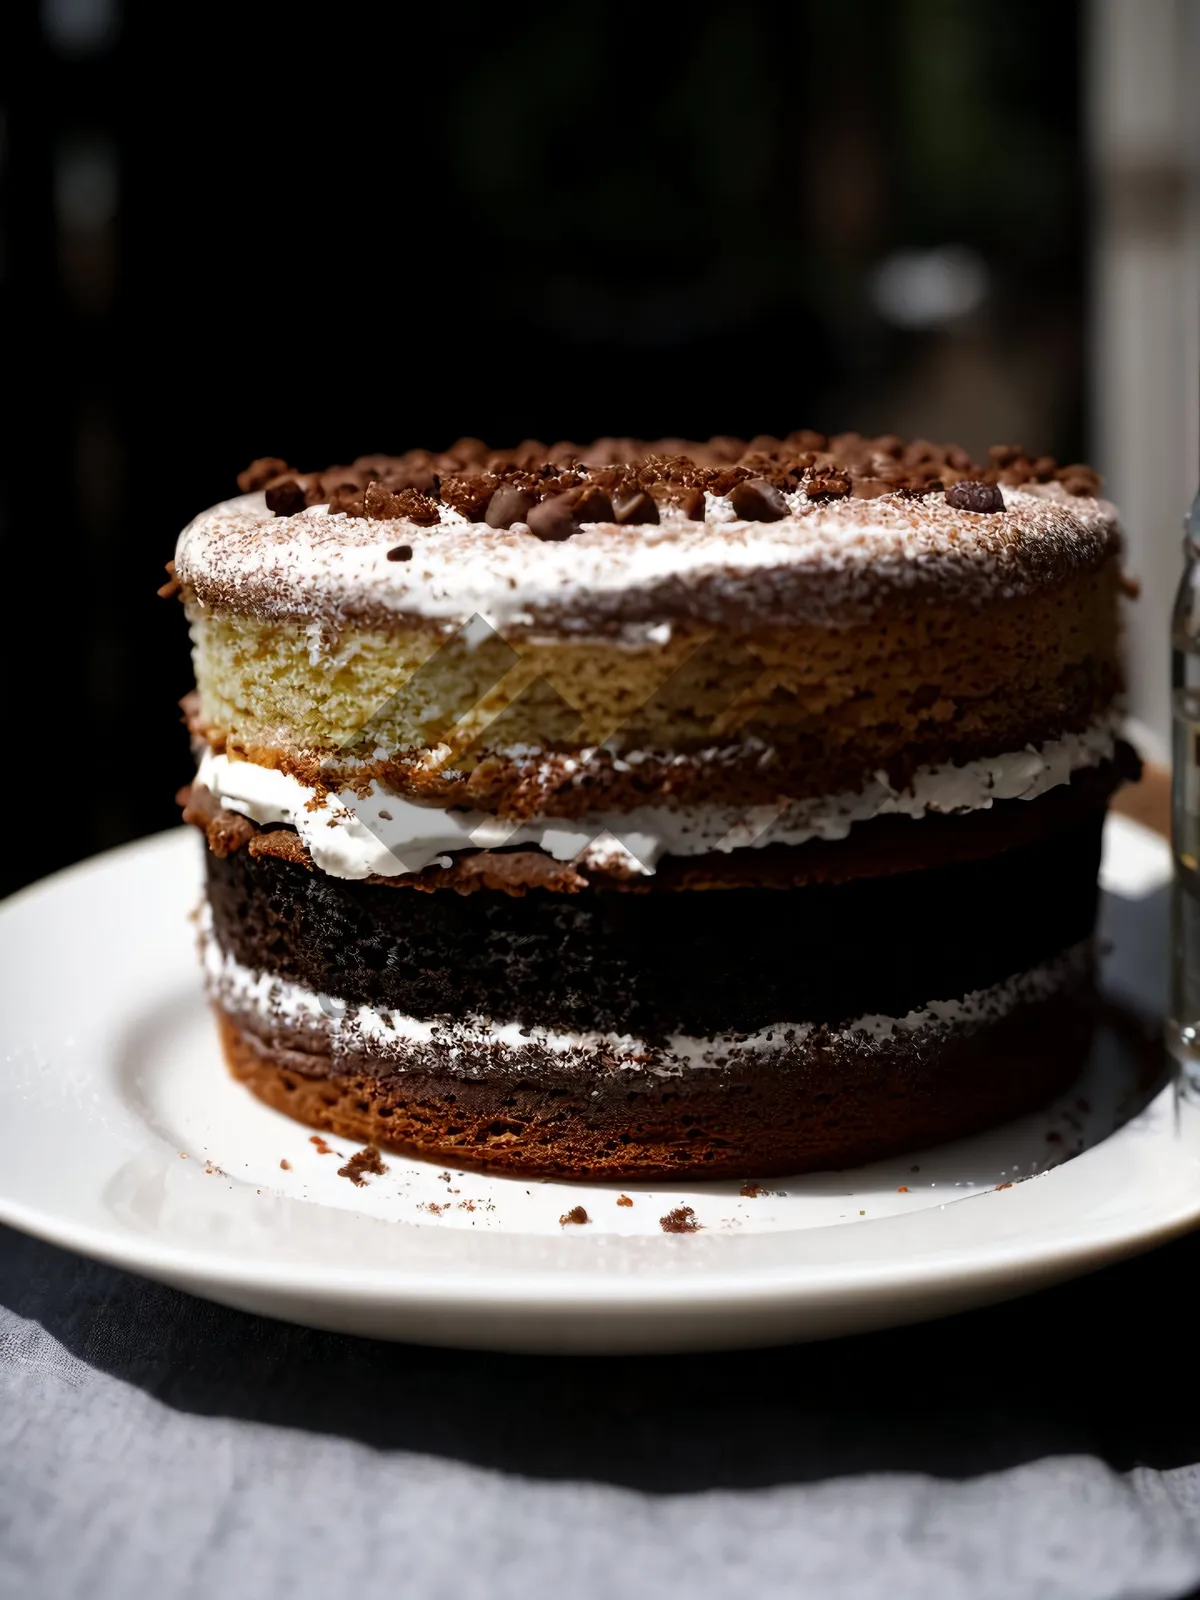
x: 263, y: 999
x: 825, y: 562
x: 379, y: 833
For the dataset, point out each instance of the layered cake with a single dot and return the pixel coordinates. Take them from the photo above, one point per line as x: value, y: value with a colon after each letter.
x: 657, y: 809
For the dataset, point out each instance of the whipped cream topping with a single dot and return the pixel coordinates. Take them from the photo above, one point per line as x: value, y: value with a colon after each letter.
x: 826, y: 562
x: 261, y: 998
x: 379, y: 833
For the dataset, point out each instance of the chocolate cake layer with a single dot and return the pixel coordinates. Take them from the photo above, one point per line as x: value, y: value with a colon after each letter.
x: 818, y: 1104
x: 660, y: 964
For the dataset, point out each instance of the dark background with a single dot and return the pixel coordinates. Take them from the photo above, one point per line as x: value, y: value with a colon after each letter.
x: 225, y: 238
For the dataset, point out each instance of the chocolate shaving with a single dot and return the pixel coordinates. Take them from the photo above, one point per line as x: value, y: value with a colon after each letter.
x: 382, y: 504
x: 827, y: 485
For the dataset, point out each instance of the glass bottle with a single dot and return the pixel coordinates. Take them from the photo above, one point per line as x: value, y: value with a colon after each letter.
x: 1183, y: 1023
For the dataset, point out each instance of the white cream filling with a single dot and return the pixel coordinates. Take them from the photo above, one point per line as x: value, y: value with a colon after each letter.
x: 259, y: 996
x: 352, y: 837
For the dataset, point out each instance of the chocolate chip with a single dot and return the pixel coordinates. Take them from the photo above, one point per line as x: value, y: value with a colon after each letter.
x: 634, y: 506
x: 508, y: 505
x: 552, y: 519
x: 593, y: 505
x: 259, y: 473
x: 970, y: 495
x: 558, y: 516
x: 285, y: 498
x: 402, y: 552
x: 687, y: 499
x: 755, y: 500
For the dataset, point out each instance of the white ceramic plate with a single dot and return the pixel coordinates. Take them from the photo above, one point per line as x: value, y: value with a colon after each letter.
x: 122, y: 1137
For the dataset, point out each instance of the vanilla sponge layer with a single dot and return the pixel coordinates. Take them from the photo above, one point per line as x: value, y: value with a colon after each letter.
x: 921, y: 686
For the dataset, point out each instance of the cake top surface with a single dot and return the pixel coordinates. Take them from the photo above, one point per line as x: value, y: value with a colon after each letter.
x: 625, y: 537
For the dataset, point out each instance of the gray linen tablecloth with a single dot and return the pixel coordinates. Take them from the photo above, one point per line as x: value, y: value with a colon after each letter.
x: 153, y: 1444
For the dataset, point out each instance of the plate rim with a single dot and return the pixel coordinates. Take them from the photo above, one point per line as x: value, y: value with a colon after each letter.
x: 728, y: 1288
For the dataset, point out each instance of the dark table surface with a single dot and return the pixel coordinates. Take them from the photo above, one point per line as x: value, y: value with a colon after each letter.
x: 119, y: 1397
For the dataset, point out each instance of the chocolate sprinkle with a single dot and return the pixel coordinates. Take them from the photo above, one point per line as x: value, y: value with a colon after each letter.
x: 402, y: 552
x: 968, y: 495
x: 285, y: 498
